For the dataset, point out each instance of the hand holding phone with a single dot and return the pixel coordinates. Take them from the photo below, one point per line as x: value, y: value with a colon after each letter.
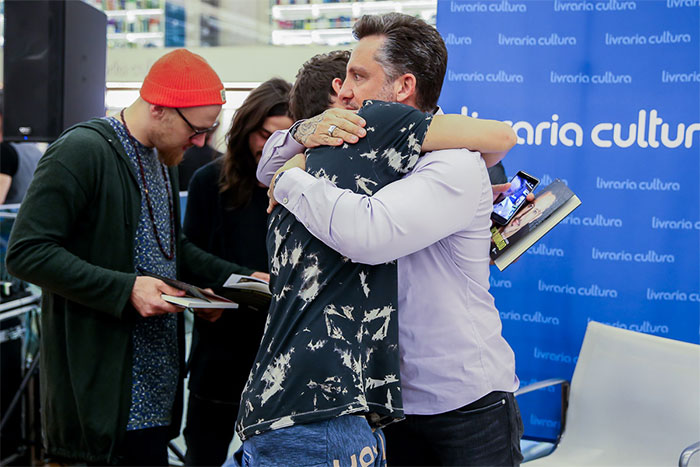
x: 510, y: 201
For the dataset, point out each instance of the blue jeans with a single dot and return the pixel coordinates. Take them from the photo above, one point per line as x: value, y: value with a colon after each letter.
x: 339, y: 442
x: 484, y: 433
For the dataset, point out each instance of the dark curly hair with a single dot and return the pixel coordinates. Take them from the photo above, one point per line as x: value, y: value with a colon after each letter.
x: 312, y: 90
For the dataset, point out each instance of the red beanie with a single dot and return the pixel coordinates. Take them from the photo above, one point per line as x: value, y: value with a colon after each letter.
x: 182, y: 79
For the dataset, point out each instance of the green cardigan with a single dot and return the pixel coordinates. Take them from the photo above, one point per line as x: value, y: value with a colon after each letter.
x: 74, y: 238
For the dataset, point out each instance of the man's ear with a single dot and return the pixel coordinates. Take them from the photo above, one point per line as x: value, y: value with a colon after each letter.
x: 157, y: 111
x: 405, y: 88
x: 337, y: 84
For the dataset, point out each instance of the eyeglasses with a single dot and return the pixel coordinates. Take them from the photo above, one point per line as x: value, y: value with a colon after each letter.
x: 197, y: 131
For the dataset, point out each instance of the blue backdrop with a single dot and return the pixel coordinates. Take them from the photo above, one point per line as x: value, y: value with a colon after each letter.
x: 604, y: 94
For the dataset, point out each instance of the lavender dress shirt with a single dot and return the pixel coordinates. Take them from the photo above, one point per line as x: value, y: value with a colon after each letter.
x: 436, y: 221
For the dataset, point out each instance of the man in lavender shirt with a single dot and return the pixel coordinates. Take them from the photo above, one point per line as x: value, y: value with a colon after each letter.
x: 458, y: 372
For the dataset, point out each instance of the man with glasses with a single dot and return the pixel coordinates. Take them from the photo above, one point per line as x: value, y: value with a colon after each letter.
x: 103, y: 205
x: 196, y: 131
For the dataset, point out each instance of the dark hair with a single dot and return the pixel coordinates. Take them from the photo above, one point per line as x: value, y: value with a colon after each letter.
x: 237, y: 179
x: 312, y: 90
x: 411, y: 46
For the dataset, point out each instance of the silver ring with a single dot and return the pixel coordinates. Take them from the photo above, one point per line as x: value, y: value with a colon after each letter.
x: 331, y: 129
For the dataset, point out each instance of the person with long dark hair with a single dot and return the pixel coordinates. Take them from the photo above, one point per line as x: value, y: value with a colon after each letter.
x: 226, y: 216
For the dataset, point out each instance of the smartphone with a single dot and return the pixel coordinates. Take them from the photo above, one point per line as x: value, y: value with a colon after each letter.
x: 509, y: 202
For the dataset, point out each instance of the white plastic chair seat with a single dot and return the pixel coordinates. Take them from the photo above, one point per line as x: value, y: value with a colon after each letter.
x: 634, y: 400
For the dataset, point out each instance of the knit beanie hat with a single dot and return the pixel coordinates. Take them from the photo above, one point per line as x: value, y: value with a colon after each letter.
x: 182, y: 79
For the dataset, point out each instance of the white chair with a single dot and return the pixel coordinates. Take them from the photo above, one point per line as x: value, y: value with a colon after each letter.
x: 634, y: 400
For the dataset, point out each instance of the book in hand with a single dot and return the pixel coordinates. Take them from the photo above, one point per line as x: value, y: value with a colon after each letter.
x: 195, y: 297
x: 247, y: 290
x: 198, y: 303
x: 553, y: 203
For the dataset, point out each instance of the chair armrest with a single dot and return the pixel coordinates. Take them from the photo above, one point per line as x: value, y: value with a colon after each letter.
x: 687, y: 454
x: 564, y: 397
x: 541, y: 384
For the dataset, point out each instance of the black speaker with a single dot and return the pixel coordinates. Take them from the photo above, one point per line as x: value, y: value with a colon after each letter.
x: 54, y: 67
x: 11, y: 336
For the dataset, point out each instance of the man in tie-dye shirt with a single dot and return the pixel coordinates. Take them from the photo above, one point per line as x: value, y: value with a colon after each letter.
x: 330, y: 347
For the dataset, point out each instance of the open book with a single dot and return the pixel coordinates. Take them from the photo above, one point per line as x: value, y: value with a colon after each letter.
x: 553, y: 203
x: 194, y: 298
x: 247, y: 290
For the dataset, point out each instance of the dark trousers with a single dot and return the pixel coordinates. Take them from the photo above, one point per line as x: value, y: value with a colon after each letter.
x: 484, y: 433
x: 209, y: 430
x: 146, y: 447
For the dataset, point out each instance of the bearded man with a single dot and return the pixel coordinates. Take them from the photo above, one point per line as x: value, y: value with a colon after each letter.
x: 104, y: 204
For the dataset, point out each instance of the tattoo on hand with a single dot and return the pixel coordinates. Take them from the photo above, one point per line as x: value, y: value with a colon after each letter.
x: 307, y: 129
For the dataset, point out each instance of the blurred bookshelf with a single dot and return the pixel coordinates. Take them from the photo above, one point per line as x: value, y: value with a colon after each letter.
x: 305, y: 22
x: 134, y: 23
x: 210, y: 23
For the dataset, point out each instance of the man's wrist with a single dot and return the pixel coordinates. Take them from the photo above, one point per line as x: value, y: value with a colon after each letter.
x: 293, y: 130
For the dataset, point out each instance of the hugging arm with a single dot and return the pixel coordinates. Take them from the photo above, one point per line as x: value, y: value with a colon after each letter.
x: 279, y: 148
x: 437, y: 199
x: 313, y: 132
x: 493, y: 139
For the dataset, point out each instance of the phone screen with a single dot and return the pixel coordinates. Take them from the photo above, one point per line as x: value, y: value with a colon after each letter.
x: 510, y: 201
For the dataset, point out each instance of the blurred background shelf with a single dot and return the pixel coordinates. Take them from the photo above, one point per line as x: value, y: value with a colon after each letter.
x: 330, y: 23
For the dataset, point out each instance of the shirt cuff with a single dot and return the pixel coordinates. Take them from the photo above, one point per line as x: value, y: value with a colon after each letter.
x: 279, y: 148
x: 291, y: 187
x: 292, y: 144
x: 293, y: 129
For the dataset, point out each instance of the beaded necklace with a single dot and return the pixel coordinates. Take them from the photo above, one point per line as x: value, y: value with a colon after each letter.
x: 171, y: 255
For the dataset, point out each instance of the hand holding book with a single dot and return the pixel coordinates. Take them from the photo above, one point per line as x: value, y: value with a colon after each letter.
x: 145, y: 297
x: 190, y: 296
x: 499, y: 189
x: 251, y: 291
x: 532, y: 222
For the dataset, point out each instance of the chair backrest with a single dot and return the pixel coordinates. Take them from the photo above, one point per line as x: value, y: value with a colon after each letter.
x: 635, y: 399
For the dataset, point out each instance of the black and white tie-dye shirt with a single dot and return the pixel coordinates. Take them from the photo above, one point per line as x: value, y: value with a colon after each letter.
x: 330, y: 345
